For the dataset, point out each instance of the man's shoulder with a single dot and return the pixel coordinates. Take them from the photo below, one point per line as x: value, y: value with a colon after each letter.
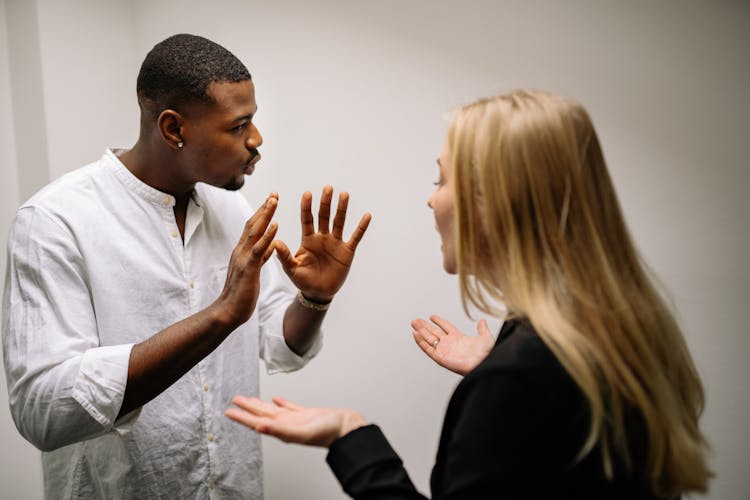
x: 70, y: 189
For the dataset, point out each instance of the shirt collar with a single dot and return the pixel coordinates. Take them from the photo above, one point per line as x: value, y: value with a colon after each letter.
x: 153, y: 195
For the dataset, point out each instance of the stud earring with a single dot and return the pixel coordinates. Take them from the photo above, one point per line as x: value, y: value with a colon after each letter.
x: 180, y: 144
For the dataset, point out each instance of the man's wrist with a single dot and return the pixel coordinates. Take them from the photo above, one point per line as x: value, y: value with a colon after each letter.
x: 315, y: 304
x: 221, y: 318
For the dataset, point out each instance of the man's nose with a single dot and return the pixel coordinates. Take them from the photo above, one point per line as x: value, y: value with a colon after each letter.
x: 254, y: 140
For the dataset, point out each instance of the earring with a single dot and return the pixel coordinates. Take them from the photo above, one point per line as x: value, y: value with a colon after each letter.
x: 180, y: 144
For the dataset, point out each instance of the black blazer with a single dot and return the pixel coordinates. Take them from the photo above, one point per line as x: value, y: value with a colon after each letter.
x: 513, y: 429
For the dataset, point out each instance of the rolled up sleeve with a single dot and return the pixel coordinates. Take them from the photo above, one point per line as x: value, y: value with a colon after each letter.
x: 63, y: 386
x: 276, y: 295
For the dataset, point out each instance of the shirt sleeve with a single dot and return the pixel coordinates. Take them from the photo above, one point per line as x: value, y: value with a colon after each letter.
x: 276, y: 294
x: 63, y: 386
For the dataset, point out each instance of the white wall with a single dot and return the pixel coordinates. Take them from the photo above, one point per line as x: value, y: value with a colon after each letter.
x: 20, y: 465
x: 90, y: 69
x: 355, y: 95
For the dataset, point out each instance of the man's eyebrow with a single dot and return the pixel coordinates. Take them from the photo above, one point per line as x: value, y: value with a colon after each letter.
x: 247, y: 116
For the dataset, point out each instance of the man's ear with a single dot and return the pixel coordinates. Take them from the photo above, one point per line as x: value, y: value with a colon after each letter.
x: 170, y: 124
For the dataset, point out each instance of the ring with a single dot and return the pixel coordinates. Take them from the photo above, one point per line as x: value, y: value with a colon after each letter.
x: 434, y: 344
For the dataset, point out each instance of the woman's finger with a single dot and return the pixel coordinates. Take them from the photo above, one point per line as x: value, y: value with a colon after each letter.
x: 445, y: 326
x: 428, y: 346
x: 428, y: 328
x: 256, y: 406
x: 285, y: 403
x: 482, y: 329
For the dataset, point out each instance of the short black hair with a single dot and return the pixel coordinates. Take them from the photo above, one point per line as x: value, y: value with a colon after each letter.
x: 179, y: 70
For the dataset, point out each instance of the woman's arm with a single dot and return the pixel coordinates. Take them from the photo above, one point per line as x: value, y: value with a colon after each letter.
x: 359, y: 454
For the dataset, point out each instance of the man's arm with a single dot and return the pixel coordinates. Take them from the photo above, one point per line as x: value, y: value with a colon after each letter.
x: 161, y: 360
x: 319, y: 268
x: 301, y: 323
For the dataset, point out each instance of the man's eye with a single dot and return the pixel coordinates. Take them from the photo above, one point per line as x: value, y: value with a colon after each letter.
x: 241, y: 127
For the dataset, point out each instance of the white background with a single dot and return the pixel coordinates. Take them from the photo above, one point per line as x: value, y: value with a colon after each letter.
x: 355, y: 94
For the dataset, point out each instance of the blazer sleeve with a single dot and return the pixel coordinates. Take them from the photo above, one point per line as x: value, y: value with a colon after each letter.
x: 368, y: 468
x: 513, y: 428
x: 493, y: 447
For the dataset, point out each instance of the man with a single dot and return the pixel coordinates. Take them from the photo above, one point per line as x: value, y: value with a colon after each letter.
x: 126, y: 332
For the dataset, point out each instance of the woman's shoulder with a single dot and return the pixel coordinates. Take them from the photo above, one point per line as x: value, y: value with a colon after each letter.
x: 519, y: 349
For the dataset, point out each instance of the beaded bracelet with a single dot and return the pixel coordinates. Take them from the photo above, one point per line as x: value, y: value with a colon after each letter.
x: 316, y: 306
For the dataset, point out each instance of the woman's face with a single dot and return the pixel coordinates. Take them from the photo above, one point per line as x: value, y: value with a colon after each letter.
x: 441, y: 203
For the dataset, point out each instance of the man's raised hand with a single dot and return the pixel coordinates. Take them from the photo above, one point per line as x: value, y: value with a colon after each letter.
x: 320, y: 265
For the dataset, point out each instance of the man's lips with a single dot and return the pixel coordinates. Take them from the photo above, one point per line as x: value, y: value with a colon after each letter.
x: 250, y: 165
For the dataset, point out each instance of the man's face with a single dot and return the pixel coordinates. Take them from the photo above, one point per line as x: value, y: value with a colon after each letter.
x: 220, y: 137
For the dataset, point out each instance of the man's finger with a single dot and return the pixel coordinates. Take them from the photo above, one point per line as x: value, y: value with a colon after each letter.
x: 359, y: 231
x: 268, y: 253
x: 340, y: 219
x: 284, y: 255
x: 306, y: 216
x: 324, y: 212
x: 264, y: 243
x: 257, y: 224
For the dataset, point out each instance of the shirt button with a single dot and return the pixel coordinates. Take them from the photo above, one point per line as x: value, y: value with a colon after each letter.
x: 174, y: 233
x: 192, y: 284
x: 205, y: 387
x: 211, y: 436
x: 166, y: 200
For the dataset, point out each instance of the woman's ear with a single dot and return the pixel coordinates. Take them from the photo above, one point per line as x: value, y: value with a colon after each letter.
x: 170, y: 127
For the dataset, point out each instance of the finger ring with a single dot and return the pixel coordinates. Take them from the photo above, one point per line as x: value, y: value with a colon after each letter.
x: 434, y: 344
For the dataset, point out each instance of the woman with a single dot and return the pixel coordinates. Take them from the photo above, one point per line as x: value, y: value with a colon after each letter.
x: 589, y: 391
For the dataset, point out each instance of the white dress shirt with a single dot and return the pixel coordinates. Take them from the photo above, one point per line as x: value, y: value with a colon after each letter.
x: 95, y: 265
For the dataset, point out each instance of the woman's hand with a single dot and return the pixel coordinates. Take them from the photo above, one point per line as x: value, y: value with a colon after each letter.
x: 293, y: 423
x: 450, y: 348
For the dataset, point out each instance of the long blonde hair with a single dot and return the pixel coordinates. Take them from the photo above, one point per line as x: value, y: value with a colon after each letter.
x: 539, y: 229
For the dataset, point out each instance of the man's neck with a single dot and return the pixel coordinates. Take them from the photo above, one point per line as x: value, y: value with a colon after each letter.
x: 156, y: 168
